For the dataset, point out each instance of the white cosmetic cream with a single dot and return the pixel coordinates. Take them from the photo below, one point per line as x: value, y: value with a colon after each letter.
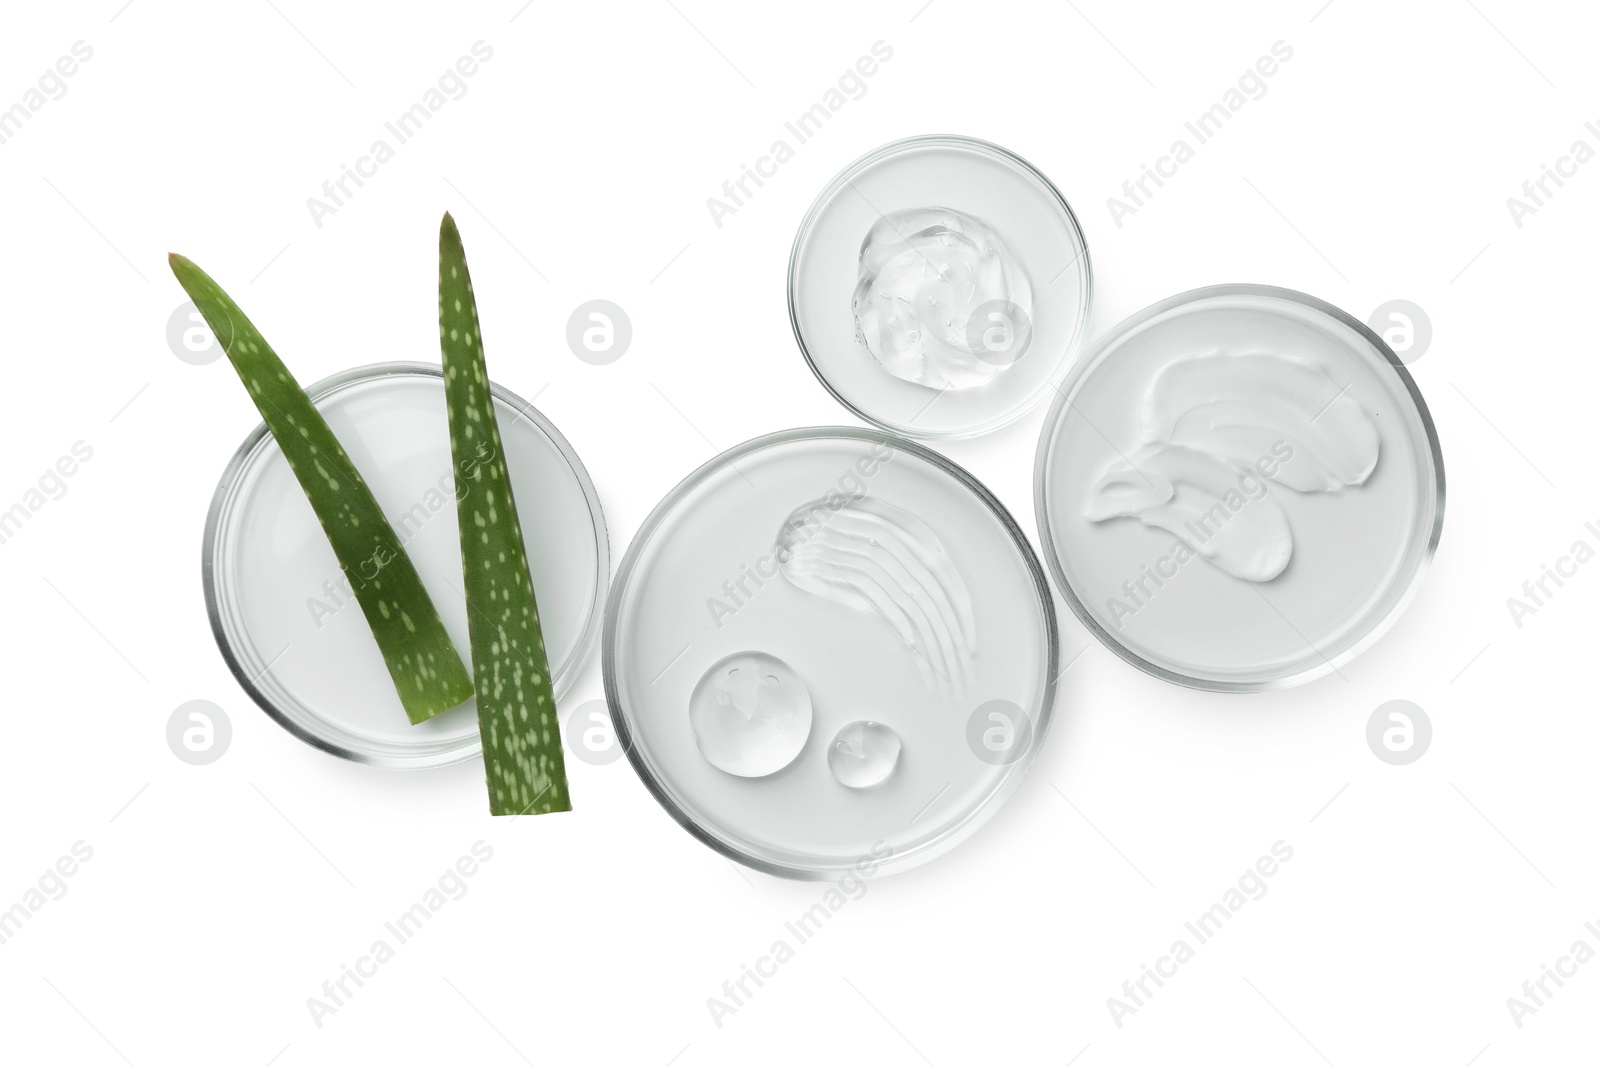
x: 1222, y: 513
x: 1239, y: 488
x: 1216, y: 427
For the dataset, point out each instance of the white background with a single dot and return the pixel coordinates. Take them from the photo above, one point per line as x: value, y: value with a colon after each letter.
x: 219, y: 898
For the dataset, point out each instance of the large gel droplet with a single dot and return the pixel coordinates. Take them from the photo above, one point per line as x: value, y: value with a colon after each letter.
x: 751, y: 714
x: 863, y: 754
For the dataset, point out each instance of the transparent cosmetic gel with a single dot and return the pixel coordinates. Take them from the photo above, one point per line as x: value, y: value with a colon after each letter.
x: 864, y: 754
x: 939, y: 287
x: 1239, y: 488
x: 799, y: 642
x: 874, y: 557
x: 940, y: 300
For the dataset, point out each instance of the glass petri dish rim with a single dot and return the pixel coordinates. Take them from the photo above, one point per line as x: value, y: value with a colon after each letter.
x: 1074, y: 344
x: 224, y: 498
x: 1041, y: 504
x: 984, y: 809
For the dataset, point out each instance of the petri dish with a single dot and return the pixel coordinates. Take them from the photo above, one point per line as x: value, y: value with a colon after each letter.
x: 830, y: 647
x: 1321, y: 540
x: 299, y: 645
x: 1020, y: 219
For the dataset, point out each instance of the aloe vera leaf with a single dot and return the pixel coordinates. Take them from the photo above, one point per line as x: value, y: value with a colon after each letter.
x: 516, y: 705
x: 426, y: 670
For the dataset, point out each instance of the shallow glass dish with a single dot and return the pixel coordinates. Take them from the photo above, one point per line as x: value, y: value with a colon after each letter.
x: 1359, y: 551
x: 298, y: 643
x: 703, y: 592
x: 966, y: 175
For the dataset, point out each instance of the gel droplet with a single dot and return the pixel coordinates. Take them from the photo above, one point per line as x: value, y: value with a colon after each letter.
x: 863, y: 754
x: 751, y: 714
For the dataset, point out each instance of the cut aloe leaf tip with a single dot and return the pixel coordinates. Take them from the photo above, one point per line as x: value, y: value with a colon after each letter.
x: 516, y: 704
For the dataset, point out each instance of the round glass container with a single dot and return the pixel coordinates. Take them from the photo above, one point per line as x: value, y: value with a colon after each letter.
x: 976, y: 179
x: 1359, y: 549
x: 298, y: 642
x: 884, y: 581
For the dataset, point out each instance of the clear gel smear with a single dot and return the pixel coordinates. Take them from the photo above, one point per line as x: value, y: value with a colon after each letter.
x: 874, y: 557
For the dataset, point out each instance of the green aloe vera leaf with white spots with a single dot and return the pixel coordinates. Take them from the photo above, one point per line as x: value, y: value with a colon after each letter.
x: 426, y: 669
x: 516, y: 705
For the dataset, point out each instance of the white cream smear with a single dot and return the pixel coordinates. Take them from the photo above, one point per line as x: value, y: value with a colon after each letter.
x: 939, y: 300
x: 874, y: 557
x: 1216, y: 427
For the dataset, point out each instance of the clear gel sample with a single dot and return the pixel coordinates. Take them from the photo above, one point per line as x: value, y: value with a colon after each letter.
x: 700, y: 585
x: 863, y: 754
x: 875, y: 557
x: 751, y: 714
x: 939, y: 299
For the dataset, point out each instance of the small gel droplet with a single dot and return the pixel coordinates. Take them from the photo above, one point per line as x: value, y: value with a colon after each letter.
x: 864, y: 754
